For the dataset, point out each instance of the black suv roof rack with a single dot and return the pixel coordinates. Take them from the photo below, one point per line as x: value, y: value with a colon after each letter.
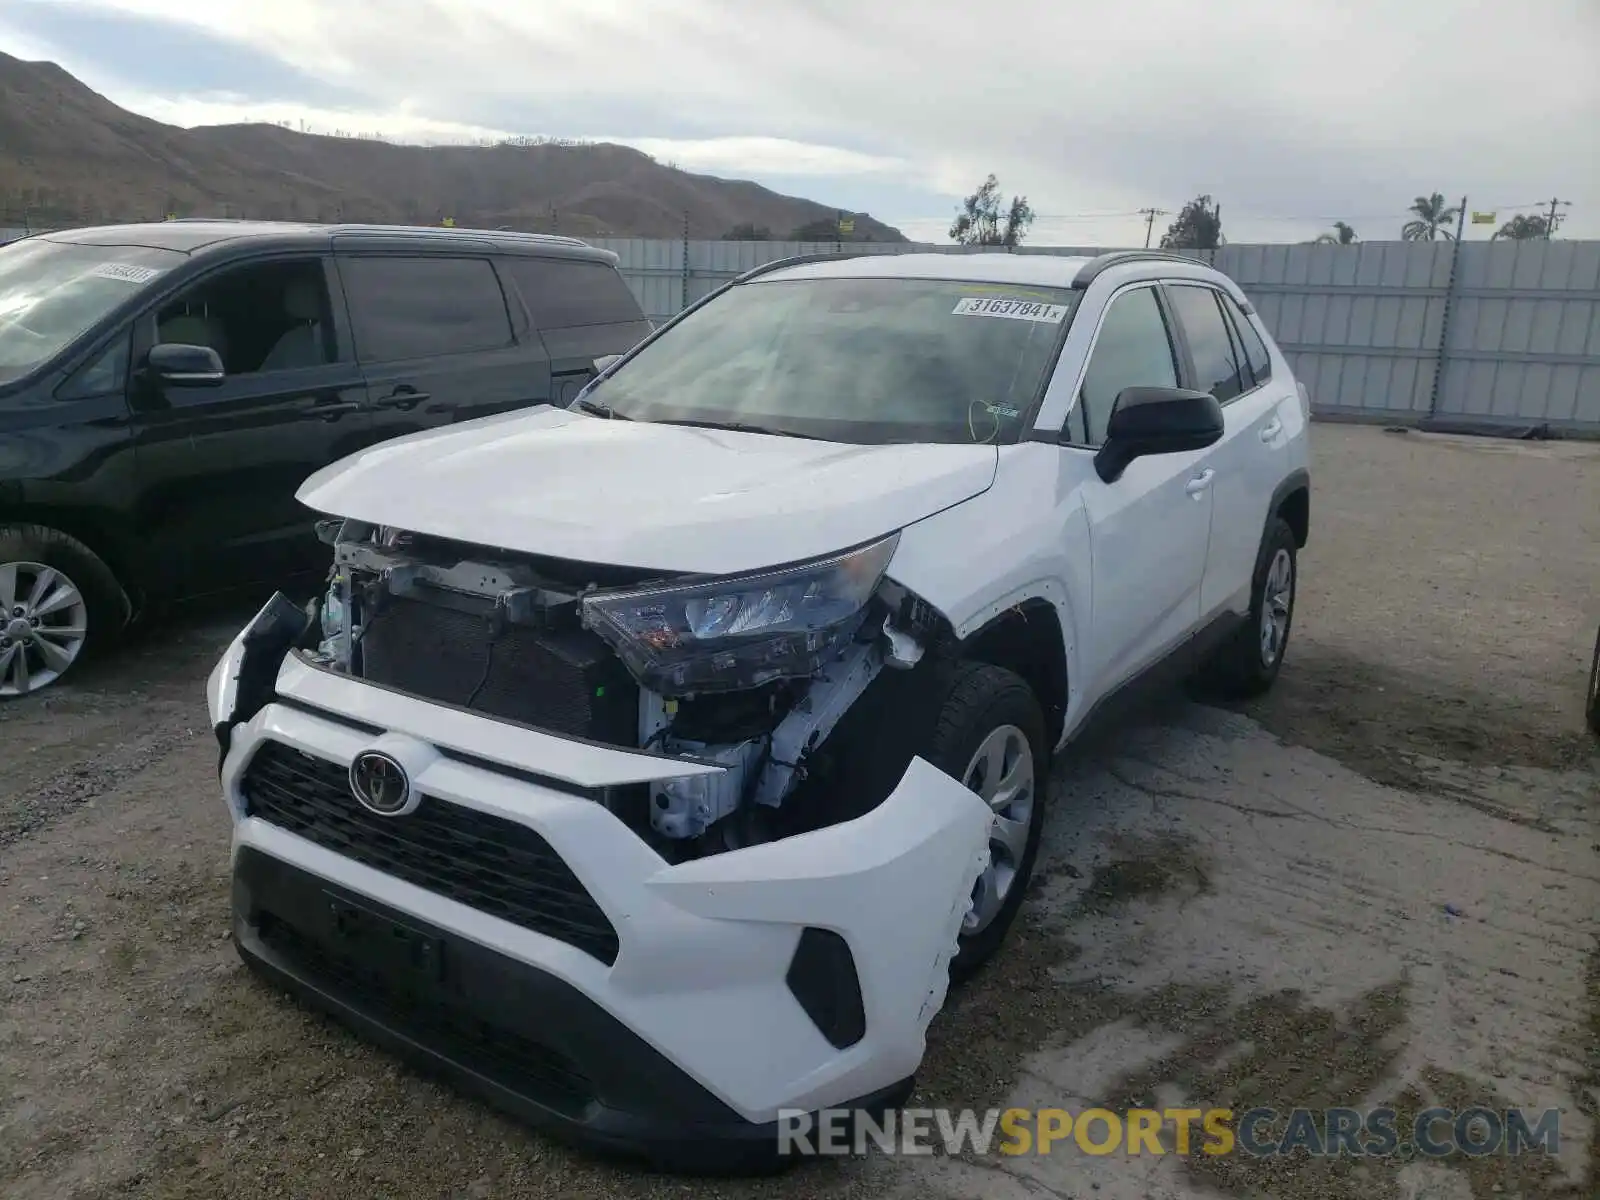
x: 1092, y: 270
x: 510, y: 235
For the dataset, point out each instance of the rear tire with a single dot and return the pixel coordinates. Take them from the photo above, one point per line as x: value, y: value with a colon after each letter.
x: 1247, y: 664
x: 59, y: 605
x: 990, y: 736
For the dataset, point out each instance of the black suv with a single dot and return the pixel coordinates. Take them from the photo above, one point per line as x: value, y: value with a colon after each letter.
x: 165, y: 388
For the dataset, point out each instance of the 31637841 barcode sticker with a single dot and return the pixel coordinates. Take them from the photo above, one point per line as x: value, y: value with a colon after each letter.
x: 1015, y: 310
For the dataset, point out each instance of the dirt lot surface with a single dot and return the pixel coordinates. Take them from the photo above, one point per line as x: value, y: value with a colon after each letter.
x: 1381, y: 883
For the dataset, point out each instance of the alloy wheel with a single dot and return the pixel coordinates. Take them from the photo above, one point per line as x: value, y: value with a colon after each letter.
x: 1001, y: 774
x: 1277, y: 603
x: 44, y: 622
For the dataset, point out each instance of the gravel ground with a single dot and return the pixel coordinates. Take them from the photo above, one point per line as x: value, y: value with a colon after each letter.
x: 1382, y: 882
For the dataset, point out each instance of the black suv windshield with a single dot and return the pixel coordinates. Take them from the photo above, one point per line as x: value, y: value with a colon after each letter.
x: 51, y: 292
x: 851, y: 360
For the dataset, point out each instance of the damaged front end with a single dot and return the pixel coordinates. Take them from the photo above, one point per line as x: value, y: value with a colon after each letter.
x: 681, y: 804
x: 749, y: 674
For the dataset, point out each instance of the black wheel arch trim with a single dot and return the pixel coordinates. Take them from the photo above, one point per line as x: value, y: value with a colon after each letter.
x: 1298, y: 480
x: 1055, y: 690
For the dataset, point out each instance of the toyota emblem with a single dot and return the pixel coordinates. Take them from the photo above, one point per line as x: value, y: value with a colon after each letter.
x: 380, y: 783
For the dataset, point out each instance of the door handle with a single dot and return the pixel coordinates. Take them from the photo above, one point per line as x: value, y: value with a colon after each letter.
x: 403, y: 398
x: 1271, y: 429
x: 1200, y: 482
x: 337, y: 409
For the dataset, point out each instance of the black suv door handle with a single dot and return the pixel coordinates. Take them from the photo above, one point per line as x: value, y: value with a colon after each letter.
x: 337, y: 409
x: 403, y: 398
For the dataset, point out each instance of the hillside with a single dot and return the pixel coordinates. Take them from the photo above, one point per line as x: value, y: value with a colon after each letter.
x: 69, y: 155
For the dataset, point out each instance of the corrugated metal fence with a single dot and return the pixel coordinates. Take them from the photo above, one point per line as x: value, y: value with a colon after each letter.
x: 1501, y: 334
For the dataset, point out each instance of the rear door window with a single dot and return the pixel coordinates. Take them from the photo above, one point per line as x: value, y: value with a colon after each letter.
x: 563, y: 293
x: 424, y: 307
x: 1255, y: 348
x: 1216, y: 369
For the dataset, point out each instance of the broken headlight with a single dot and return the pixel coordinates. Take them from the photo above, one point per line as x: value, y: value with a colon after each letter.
x: 734, y: 633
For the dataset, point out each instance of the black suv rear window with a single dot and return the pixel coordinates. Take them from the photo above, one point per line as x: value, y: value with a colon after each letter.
x: 563, y: 293
x: 404, y: 308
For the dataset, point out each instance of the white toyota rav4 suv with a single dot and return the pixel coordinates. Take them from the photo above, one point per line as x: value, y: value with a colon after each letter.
x: 650, y: 765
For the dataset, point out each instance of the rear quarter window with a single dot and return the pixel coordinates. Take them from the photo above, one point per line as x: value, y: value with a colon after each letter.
x: 563, y: 293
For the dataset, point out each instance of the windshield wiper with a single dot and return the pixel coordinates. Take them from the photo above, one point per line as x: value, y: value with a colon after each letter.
x: 735, y: 426
x: 595, y: 408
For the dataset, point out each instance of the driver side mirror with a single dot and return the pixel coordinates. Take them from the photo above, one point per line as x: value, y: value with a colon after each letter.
x: 604, y: 361
x: 179, y: 365
x: 1156, y: 420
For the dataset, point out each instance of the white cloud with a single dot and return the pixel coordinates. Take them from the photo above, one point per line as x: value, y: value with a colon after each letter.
x: 1289, y: 114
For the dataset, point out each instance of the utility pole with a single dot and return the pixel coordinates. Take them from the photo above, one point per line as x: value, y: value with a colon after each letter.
x: 1150, y: 215
x: 1550, y: 221
x: 1442, y: 358
x: 683, y: 292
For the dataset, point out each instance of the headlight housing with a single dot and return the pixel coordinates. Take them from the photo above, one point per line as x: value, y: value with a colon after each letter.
x: 728, y: 634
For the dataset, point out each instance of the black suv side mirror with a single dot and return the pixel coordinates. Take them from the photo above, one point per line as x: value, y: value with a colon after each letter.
x: 604, y: 361
x: 1156, y: 420
x: 178, y: 365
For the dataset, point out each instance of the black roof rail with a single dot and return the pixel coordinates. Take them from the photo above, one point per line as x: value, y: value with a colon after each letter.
x: 1095, y: 267
x: 359, y: 228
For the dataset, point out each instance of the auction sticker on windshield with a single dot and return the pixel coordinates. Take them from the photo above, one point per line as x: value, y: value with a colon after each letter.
x: 126, y: 272
x: 1016, y: 310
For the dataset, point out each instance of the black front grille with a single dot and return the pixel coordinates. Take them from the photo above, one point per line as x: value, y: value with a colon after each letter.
x: 493, y: 865
x: 493, y: 1051
x: 565, y: 680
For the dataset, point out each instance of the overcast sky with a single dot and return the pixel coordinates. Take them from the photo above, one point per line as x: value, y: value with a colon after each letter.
x: 1291, y: 113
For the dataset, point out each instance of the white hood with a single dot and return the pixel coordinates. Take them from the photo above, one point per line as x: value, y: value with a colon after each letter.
x: 558, y: 483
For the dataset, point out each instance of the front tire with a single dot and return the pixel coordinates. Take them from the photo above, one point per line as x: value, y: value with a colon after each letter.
x: 1247, y: 664
x: 59, y: 603
x: 990, y: 736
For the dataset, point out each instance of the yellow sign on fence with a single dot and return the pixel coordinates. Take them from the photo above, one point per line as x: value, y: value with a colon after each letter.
x: 847, y: 225
x: 1479, y: 218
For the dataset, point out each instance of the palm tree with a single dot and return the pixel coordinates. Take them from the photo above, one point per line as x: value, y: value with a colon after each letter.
x: 1342, y: 235
x: 1522, y: 228
x: 1433, y: 219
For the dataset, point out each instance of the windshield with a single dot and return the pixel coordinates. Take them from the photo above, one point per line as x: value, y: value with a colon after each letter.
x: 50, y: 292
x: 851, y: 360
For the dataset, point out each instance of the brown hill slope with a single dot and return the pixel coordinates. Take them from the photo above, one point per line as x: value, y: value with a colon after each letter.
x: 69, y: 155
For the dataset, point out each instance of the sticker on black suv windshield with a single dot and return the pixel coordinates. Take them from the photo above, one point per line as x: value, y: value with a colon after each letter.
x: 126, y: 272
x: 1016, y: 310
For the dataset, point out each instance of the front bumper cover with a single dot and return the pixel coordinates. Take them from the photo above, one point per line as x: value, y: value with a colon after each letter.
x: 699, y: 989
x: 492, y: 1026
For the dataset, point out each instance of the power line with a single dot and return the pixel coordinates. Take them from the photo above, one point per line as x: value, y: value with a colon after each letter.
x: 1092, y: 216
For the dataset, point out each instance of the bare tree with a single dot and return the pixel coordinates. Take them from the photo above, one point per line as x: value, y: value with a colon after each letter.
x: 979, y: 223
